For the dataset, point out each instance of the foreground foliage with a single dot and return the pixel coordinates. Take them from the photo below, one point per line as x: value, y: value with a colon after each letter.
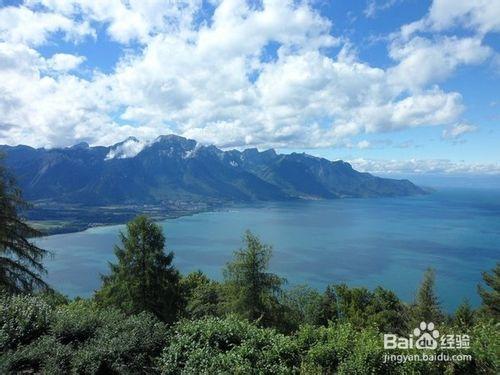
x: 82, y: 338
x: 229, y: 345
x: 21, y: 266
x: 76, y: 338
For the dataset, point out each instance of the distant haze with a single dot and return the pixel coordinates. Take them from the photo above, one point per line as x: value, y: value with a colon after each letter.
x: 443, y: 181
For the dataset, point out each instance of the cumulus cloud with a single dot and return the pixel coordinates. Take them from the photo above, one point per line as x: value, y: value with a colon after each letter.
x: 23, y: 25
x: 247, y: 75
x: 45, y: 110
x: 482, y: 16
x: 126, y: 21
x: 458, y: 130
x: 422, y: 61
x: 64, y: 62
x: 426, y: 166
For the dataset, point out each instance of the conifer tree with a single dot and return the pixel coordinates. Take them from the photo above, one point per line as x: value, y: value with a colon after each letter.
x: 252, y: 290
x: 327, y: 309
x: 426, y: 307
x: 144, y: 278
x: 491, y: 295
x: 21, y: 267
x: 464, y: 315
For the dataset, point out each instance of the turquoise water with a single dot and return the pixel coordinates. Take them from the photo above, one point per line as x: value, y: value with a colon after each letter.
x: 363, y: 242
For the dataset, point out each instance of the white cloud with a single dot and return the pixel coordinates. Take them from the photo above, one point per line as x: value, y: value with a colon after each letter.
x: 214, y: 82
x: 422, y: 61
x: 23, y: 25
x: 373, y: 7
x: 364, y: 144
x: 132, y: 20
x: 425, y: 166
x: 43, y: 110
x: 482, y: 16
x: 458, y: 130
x: 126, y: 149
x: 425, y: 59
x: 64, y: 62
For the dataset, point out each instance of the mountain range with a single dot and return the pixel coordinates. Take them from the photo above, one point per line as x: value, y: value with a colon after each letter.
x: 175, y: 169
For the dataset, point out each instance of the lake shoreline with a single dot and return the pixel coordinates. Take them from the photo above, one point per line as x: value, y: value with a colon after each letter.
x: 56, y: 224
x: 63, y: 219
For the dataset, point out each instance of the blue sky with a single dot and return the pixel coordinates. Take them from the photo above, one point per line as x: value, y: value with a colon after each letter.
x: 394, y: 86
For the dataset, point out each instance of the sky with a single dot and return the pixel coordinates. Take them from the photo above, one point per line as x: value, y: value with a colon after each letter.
x: 393, y: 86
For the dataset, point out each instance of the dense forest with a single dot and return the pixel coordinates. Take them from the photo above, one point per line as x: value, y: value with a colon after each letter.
x: 148, y: 318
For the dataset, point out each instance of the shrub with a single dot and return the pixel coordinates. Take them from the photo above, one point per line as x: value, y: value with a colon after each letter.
x: 23, y: 318
x: 79, y: 321
x: 127, y: 345
x: 339, y: 348
x: 44, y: 355
x: 77, y: 338
x: 227, y: 345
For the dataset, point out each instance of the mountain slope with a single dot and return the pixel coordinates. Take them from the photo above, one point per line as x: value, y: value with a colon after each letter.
x: 174, y: 168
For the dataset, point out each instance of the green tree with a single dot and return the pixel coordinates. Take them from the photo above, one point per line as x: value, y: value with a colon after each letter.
x: 201, y: 296
x: 300, y: 305
x: 491, y: 295
x: 144, y: 278
x: 352, y: 304
x: 426, y: 307
x: 327, y: 309
x: 252, y: 291
x: 464, y: 315
x: 21, y: 267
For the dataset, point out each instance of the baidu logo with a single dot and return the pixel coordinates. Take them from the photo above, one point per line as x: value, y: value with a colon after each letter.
x: 425, y: 336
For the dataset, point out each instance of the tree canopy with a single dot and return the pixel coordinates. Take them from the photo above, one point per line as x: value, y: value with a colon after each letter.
x: 21, y: 267
x: 143, y: 279
x: 491, y: 294
x: 427, y: 307
x: 252, y: 289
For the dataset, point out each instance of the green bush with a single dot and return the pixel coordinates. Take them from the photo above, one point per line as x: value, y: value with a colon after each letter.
x: 79, y: 321
x: 44, y: 355
x: 229, y: 345
x: 485, y: 346
x: 23, y: 318
x: 127, y: 345
x: 339, y: 348
x: 77, y: 338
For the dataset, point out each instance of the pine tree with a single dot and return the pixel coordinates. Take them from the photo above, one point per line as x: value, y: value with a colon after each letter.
x: 144, y: 278
x: 426, y: 307
x: 491, y: 295
x: 252, y: 291
x: 464, y: 315
x: 327, y: 309
x: 21, y: 267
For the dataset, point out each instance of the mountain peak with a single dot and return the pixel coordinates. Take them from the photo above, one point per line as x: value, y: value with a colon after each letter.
x: 128, y: 148
x: 80, y: 146
x: 170, y: 138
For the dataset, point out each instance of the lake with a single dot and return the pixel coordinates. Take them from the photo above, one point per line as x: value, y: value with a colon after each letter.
x: 363, y: 242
